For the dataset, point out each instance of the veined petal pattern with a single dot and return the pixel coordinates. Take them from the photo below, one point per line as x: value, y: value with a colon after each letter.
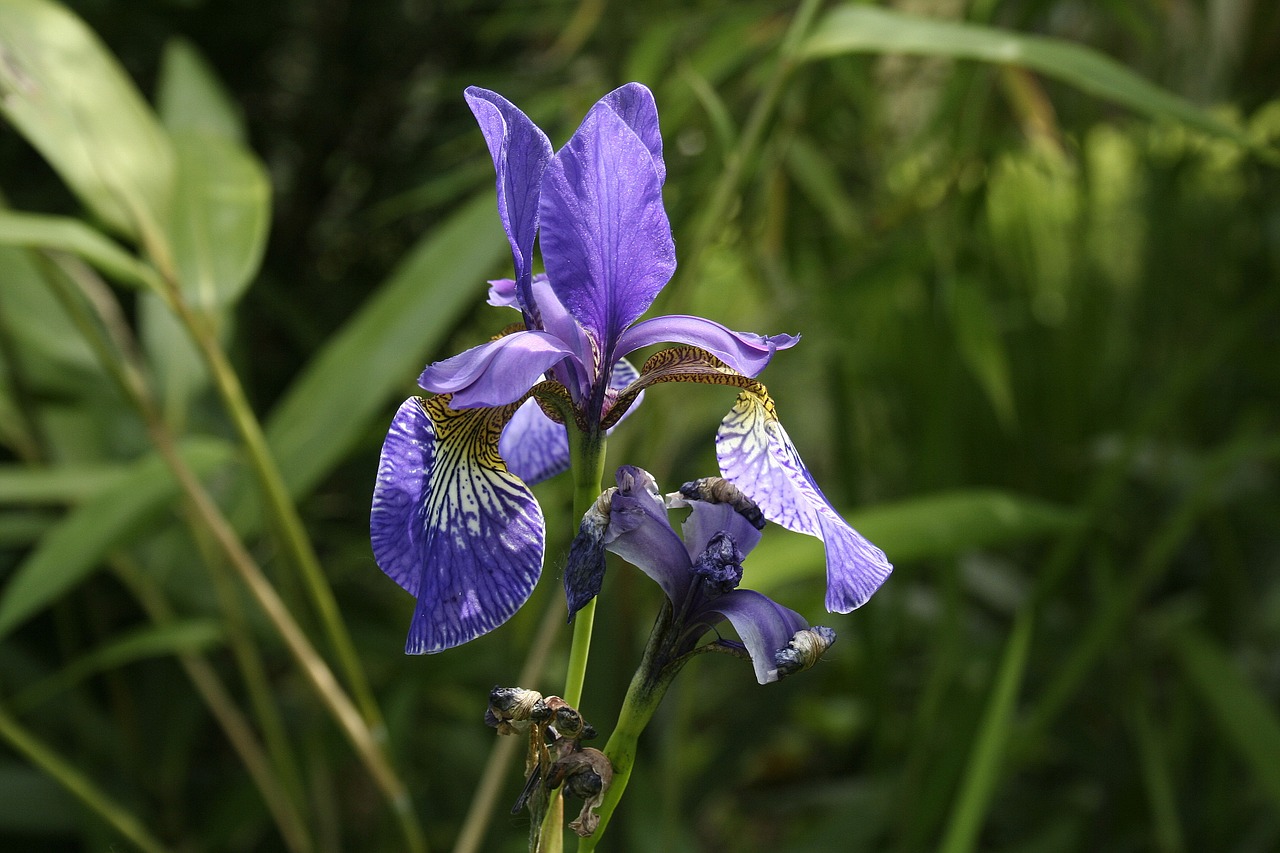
x: 452, y: 525
x: 757, y: 455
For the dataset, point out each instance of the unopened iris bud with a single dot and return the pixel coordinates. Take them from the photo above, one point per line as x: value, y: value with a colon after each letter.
x: 584, y: 570
x: 804, y: 650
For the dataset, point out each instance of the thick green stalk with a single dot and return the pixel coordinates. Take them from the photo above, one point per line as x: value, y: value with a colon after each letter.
x: 586, y: 458
x: 586, y: 454
x: 648, y: 686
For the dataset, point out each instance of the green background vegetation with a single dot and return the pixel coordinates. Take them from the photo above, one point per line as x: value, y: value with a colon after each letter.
x: 1032, y: 247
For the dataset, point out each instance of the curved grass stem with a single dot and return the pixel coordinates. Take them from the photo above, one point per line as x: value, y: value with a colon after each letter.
x: 81, y: 786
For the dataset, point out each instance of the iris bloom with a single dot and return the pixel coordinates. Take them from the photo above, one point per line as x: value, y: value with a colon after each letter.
x: 453, y: 519
x: 700, y: 574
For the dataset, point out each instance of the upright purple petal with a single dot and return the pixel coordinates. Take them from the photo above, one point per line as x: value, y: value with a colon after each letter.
x: 745, y: 352
x: 764, y: 626
x: 634, y: 104
x: 495, y: 373
x: 451, y: 525
x: 520, y: 152
x: 757, y: 455
x: 534, y: 447
x: 574, y: 373
x: 640, y: 532
x: 605, y: 238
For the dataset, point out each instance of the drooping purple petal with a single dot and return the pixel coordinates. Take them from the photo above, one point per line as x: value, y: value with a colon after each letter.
x: 765, y: 627
x: 403, y: 473
x: 451, y: 525
x: 757, y: 455
x: 634, y: 104
x: 605, y: 238
x: 520, y: 152
x: 745, y: 352
x: 585, y: 566
x: 640, y: 532
x: 534, y: 447
x: 497, y: 372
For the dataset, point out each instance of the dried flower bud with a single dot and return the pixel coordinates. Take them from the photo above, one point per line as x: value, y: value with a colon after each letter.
x: 804, y: 650
x: 585, y: 774
x: 512, y: 709
x: 565, y: 721
x: 717, y: 490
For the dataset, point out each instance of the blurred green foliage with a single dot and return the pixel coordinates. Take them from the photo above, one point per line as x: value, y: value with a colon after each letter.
x: 1033, y: 248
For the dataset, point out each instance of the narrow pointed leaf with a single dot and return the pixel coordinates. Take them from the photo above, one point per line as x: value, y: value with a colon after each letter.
x: 1246, y: 718
x: 65, y: 234
x: 869, y: 29
x: 218, y: 226
x: 69, y: 552
x: 190, y: 99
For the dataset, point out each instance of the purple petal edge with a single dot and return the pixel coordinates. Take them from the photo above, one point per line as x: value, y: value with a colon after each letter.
x: 764, y: 626
x: 520, y: 152
x: 746, y: 352
x: 466, y: 538
x: 757, y: 455
x: 497, y: 372
x: 605, y: 237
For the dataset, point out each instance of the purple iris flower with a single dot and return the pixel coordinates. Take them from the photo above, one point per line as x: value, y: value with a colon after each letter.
x: 699, y: 573
x: 453, y: 519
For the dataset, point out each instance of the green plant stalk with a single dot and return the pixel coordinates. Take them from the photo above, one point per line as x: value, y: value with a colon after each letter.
x: 648, y: 686
x: 586, y: 461
x: 973, y: 800
x: 586, y: 454
x: 296, y: 542
x: 205, y: 511
x: 79, y: 785
x: 216, y: 697
x: 722, y: 195
x: 505, y: 748
x: 240, y: 638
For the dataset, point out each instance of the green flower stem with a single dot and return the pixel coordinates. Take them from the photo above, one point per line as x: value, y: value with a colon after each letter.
x: 83, y: 788
x: 218, y: 699
x: 586, y: 458
x: 296, y: 542
x: 205, y: 512
x: 648, y: 686
x: 586, y: 453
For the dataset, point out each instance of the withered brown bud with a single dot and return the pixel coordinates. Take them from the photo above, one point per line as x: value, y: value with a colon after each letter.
x: 717, y: 490
x: 586, y: 774
x: 512, y: 709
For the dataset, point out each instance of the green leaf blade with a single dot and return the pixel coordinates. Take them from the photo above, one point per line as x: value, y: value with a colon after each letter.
x: 868, y: 29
